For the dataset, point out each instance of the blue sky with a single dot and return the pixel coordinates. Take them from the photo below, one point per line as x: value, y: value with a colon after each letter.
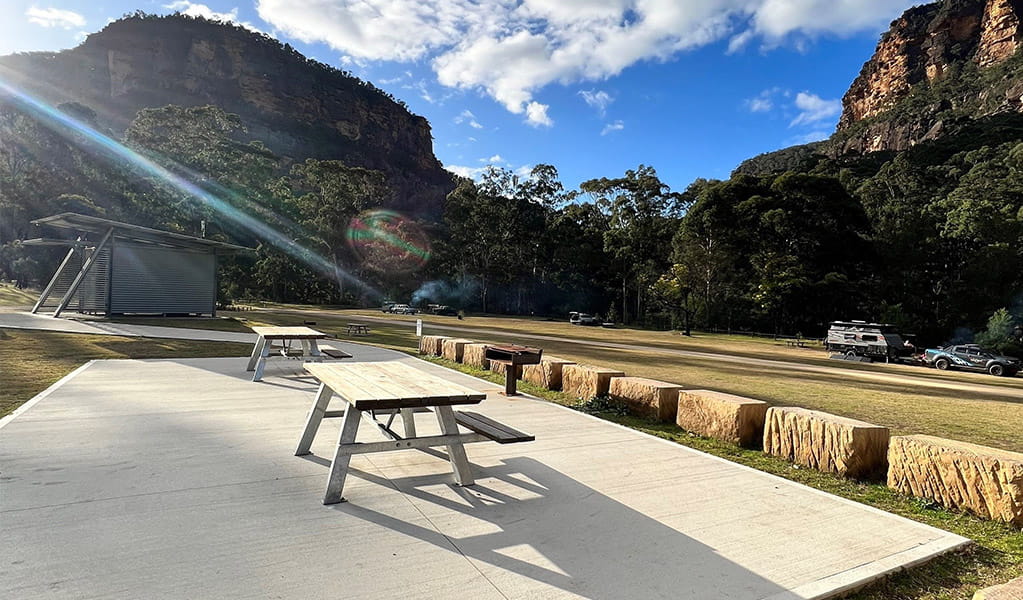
x: 594, y: 87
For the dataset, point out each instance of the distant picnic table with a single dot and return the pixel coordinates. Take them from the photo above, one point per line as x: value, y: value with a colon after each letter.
x: 357, y: 329
x: 284, y: 337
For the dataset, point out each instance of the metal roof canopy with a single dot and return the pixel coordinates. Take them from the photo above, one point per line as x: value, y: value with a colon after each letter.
x: 127, y: 231
x: 143, y: 292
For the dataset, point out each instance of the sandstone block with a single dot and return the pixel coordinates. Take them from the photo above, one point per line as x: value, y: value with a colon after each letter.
x: 1012, y: 590
x: 646, y: 397
x: 475, y: 355
x: 431, y: 344
x: 722, y: 416
x: 585, y: 381
x: 454, y: 348
x: 546, y: 374
x: 987, y: 482
x: 501, y: 368
x: 826, y: 442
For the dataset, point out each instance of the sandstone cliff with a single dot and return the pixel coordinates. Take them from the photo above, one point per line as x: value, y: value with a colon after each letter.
x: 930, y: 71
x: 300, y: 108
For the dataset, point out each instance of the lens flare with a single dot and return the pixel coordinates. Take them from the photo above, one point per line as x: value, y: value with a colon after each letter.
x: 387, y: 242
x: 81, y: 134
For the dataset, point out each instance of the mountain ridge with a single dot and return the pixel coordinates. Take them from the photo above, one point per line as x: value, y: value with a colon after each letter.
x: 298, y: 107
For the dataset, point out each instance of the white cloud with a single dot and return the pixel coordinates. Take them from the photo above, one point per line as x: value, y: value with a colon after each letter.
x: 611, y: 127
x: 766, y: 100
x: 467, y: 172
x: 809, y: 138
x: 493, y: 160
x: 511, y: 49
x: 814, y: 109
x: 193, y: 9
x: 536, y: 115
x: 468, y: 118
x: 54, y: 17
x: 597, y: 99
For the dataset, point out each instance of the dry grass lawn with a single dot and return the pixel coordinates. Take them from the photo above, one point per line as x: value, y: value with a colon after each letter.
x: 12, y: 296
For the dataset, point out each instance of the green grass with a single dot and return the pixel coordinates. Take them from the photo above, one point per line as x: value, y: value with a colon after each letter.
x: 33, y: 360
x: 12, y: 296
x: 996, y: 557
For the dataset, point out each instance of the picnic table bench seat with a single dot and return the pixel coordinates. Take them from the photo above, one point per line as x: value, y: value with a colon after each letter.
x: 483, y: 425
x: 335, y: 353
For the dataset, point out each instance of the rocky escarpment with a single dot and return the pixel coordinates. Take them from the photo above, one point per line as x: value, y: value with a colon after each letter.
x: 928, y: 71
x: 300, y: 108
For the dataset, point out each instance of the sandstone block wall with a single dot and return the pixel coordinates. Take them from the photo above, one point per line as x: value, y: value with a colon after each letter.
x: 827, y: 442
x: 985, y: 481
x: 722, y: 416
x: 646, y: 397
x: 502, y: 369
x: 454, y: 348
x: 585, y: 381
x: 475, y: 355
x: 547, y: 374
x: 1012, y: 590
x: 431, y: 344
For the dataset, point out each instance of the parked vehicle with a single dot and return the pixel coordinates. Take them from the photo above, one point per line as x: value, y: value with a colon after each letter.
x: 876, y: 341
x: 402, y: 309
x: 443, y: 310
x: 578, y: 318
x: 971, y: 357
x: 386, y: 307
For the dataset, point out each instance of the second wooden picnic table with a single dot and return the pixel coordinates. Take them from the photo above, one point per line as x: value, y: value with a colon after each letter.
x: 268, y: 335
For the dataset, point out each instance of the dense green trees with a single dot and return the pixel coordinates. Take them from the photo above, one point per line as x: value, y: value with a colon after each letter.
x: 928, y: 238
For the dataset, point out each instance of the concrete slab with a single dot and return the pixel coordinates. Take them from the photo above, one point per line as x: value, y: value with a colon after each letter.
x: 175, y: 478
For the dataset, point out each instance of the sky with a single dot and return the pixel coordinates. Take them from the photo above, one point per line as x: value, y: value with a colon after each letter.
x: 593, y: 87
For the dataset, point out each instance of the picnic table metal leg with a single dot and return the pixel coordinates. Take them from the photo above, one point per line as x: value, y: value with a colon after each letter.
x: 314, y: 419
x: 408, y: 422
x: 313, y: 350
x: 339, y: 466
x: 261, y: 363
x: 256, y: 351
x: 456, y: 451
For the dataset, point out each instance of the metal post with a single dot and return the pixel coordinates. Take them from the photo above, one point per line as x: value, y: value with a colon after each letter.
x: 53, y: 282
x: 81, y: 274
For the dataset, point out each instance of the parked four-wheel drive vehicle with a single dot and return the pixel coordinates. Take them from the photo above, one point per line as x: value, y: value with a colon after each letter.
x: 578, y: 318
x: 973, y: 358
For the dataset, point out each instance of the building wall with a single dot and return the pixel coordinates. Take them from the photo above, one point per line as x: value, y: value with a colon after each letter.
x: 154, y: 280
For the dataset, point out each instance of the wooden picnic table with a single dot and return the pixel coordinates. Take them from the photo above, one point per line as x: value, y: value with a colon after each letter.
x: 377, y: 389
x: 264, y: 344
x: 358, y: 329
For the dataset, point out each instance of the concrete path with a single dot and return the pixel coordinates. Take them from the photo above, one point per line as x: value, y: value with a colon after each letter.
x: 27, y: 320
x: 176, y: 479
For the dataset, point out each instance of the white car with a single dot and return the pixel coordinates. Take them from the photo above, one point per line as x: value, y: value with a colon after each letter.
x: 578, y: 318
x: 401, y: 309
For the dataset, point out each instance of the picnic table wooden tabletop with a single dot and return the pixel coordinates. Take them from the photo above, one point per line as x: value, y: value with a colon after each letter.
x: 293, y: 333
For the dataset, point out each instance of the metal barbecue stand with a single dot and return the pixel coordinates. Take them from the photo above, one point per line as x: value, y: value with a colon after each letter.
x: 512, y: 357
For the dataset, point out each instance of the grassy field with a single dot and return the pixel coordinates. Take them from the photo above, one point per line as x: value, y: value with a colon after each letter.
x: 34, y: 360
x: 979, y: 416
x: 12, y: 296
x: 996, y: 557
